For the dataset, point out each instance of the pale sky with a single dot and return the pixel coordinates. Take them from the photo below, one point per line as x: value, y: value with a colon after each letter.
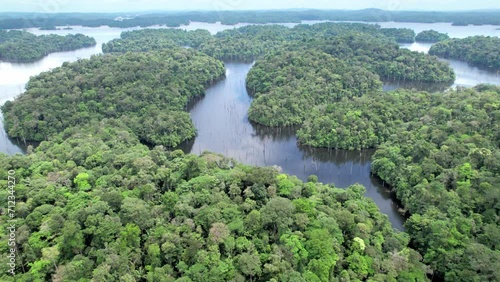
x: 61, y: 6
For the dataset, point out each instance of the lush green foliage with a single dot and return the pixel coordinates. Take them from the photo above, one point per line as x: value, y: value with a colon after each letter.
x: 328, y: 29
x: 477, y: 50
x: 287, y: 85
x: 444, y: 167
x: 246, y: 43
x: 363, y: 122
x: 440, y: 154
x: 242, y: 44
x: 431, y: 36
x: 387, y: 59
x: 148, y: 91
x: 400, y: 35
x: 155, y: 39
x: 22, y: 46
x: 93, y: 204
x: 250, y: 42
x: 234, y: 17
x: 295, y: 76
x: 102, y: 206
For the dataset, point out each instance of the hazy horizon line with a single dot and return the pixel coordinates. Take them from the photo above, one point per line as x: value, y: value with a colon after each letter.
x: 236, y: 10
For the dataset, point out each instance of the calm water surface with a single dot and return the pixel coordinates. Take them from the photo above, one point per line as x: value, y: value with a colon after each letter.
x: 221, y: 116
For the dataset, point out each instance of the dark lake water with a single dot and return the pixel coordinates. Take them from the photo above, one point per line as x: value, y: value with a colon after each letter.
x: 221, y: 118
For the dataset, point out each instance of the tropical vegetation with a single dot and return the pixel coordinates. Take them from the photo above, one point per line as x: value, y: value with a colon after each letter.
x: 22, y: 46
x: 149, y: 92
x: 476, y: 50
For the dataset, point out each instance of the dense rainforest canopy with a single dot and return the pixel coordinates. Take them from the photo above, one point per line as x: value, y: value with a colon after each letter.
x: 305, y: 66
x: 477, y: 50
x: 444, y: 167
x: 439, y: 152
x: 431, y: 36
x: 363, y: 122
x: 401, y: 35
x: 387, y: 59
x: 94, y: 204
x: 249, y: 42
x: 156, y: 39
x: 22, y: 46
x: 148, y: 91
x: 245, y: 43
x: 18, y: 20
x: 287, y: 85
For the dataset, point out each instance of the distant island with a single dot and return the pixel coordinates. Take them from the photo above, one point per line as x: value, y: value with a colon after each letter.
x: 175, y: 19
x: 431, y: 36
x: 52, y: 27
x: 22, y: 46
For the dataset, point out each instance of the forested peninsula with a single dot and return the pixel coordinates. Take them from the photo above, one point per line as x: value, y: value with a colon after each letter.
x: 364, y: 45
x: 149, y: 92
x: 22, y: 46
x: 287, y: 84
x: 431, y: 36
x: 483, y: 51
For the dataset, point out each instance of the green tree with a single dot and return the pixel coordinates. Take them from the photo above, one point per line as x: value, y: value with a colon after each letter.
x: 249, y: 265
